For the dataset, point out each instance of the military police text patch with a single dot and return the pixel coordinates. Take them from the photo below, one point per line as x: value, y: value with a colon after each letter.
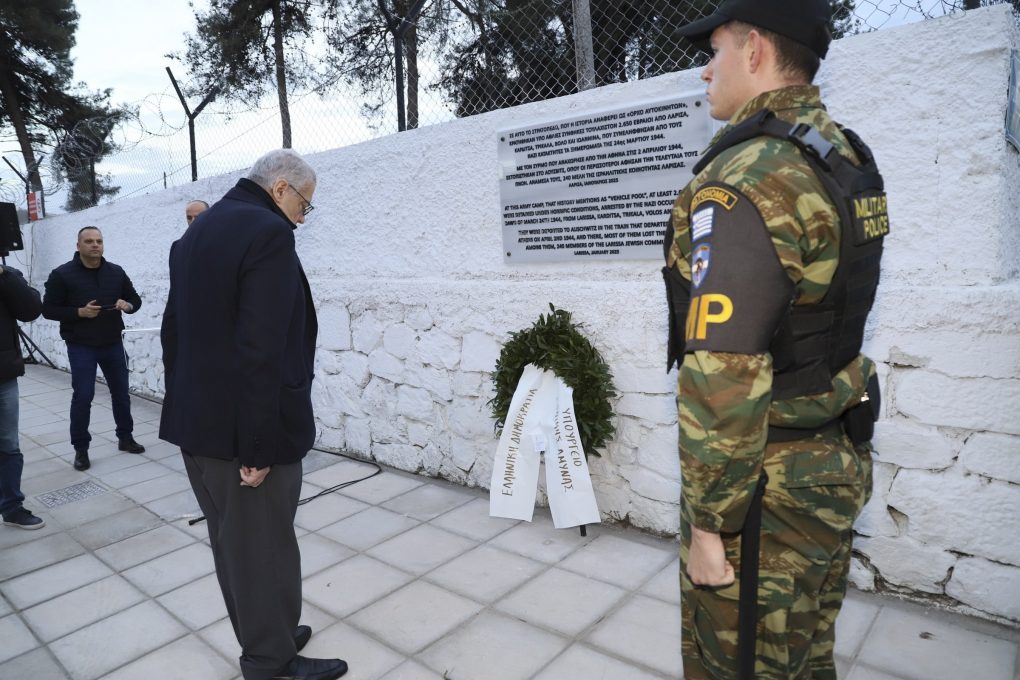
x: 726, y: 199
x: 870, y: 212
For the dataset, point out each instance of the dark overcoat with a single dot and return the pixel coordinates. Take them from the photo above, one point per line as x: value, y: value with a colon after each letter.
x: 239, y: 335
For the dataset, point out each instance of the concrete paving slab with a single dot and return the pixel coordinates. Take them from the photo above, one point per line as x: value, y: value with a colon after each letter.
x: 645, y: 631
x: 561, y: 601
x: 580, y: 661
x: 186, y: 659
x: 924, y: 646
x: 88, y: 654
x: 80, y: 607
x: 485, y: 574
x: 421, y: 549
x: 197, y: 604
x: 415, y: 616
x: 17, y: 638
x: 368, y: 528
x: 367, y: 658
x: 36, y: 664
x: 347, y: 587
x: 494, y: 647
x: 472, y: 520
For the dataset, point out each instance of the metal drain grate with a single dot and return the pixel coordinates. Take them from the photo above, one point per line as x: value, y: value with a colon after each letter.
x: 70, y: 494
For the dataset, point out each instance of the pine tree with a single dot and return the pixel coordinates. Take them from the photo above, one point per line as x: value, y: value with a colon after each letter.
x: 40, y: 104
x: 250, y: 48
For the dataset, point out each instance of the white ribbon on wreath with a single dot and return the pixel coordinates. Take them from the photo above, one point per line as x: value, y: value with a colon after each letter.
x: 541, y: 420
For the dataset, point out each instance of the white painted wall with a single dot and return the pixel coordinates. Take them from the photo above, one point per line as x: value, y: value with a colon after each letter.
x: 404, y: 256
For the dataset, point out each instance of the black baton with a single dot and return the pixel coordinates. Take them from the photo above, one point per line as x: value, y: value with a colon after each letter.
x: 747, y: 618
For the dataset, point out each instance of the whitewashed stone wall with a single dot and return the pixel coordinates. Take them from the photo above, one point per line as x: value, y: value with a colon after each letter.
x: 404, y: 256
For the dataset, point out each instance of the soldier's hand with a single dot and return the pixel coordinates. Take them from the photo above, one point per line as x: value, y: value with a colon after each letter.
x: 706, y: 562
x: 90, y: 310
x: 124, y: 306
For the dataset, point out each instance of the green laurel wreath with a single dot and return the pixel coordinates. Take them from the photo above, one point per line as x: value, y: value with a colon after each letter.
x: 555, y: 344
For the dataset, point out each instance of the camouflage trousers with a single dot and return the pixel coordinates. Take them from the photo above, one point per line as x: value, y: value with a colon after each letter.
x: 816, y: 489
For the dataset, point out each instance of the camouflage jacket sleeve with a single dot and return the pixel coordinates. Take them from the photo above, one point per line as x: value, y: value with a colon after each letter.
x: 725, y: 382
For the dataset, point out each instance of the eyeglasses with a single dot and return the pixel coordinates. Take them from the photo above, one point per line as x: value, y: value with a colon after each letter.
x: 308, y: 204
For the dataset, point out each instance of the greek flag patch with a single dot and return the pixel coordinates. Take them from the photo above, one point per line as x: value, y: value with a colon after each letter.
x: 701, y: 223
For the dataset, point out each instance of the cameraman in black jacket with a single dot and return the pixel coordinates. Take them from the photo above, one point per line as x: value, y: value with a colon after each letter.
x: 18, y: 302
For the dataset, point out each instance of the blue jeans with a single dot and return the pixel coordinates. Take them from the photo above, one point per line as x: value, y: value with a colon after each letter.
x: 113, y: 361
x: 11, y: 460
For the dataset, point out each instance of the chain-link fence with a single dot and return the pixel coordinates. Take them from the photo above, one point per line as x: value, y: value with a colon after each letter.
x: 457, y: 58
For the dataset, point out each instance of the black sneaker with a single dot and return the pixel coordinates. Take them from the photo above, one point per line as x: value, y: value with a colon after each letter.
x: 130, y: 445
x: 81, y: 459
x: 23, y: 519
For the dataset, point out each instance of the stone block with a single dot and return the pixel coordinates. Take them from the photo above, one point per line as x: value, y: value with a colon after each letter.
x: 354, y: 365
x: 418, y: 434
x: 334, y: 327
x: 987, y: 586
x: 992, y: 455
x: 630, y: 378
x: 969, y: 403
x: 910, y: 445
x: 907, y: 562
x: 467, y: 384
x: 860, y: 576
x: 358, y: 435
x: 656, y: 516
x: 382, y: 364
x: 965, y: 513
x: 431, y: 458
x: 435, y: 380
x: 479, y: 352
x: 415, y: 403
x: 366, y: 332
x: 651, y: 485
x: 659, y: 451
x: 470, y: 418
x: 875, y: 519
x: 332, y: 438
x: 437, y: 348
x: 660, y: 409
x: 464, y: 452
x: 419, y: 318
x: 327, y: 362
x: 401, y: 456
x: 400, y: 340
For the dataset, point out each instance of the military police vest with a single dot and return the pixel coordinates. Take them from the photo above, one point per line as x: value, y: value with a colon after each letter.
x: 808, y: 343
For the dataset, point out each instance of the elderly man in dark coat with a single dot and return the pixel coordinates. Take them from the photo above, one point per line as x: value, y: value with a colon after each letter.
x: 238, y: 348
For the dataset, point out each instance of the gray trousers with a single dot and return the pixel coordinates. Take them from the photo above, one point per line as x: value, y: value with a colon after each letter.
x: 258, y: 563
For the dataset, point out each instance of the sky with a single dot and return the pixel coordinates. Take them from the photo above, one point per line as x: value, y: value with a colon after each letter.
x: 122, y: 43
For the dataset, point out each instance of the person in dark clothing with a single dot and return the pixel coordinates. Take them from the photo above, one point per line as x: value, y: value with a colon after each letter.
x: 88, y: 296
x: 238, y: 340
x: 18, y: 302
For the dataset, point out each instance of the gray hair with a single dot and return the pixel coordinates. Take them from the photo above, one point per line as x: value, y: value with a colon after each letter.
x: 283, y: 164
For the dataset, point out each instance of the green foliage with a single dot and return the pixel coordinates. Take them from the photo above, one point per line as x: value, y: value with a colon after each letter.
x: 555, y: 343
x: 40, y: 103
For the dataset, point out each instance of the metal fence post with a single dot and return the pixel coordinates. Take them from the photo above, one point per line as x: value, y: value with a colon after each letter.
x: 582, y: 45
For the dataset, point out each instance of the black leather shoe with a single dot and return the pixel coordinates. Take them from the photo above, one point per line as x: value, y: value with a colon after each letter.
x: 302, y: 634
x: 301, y: 668
x: 81, y: 459
x: 130, y: 445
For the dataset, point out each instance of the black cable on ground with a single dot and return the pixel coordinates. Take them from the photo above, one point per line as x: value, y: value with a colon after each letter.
x: 341, y: 485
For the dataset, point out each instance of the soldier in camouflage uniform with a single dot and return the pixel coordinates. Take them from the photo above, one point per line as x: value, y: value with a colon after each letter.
x: 756, y: 241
